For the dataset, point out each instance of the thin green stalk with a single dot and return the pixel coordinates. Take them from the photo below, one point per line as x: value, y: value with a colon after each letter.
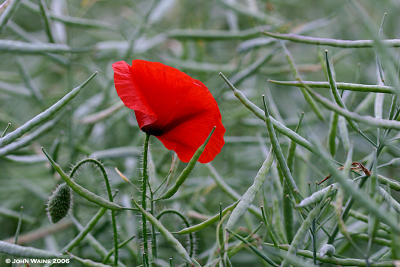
x: 237, y: 246
x: 287, y: 204
x: 314, y: 241
x: 393, y: 107
x: 371, y: 121
x: 16, y: 215
x: 28, y: 38
x: 279, y: 156
x: 336, y: 260
x: 275, y: 111
x: 153, y: 230
x: 271, y: 231
x: 260, y: 114
x: 24, y: 141
x: 215, y: 35
x: 292, y: 146
x: 395, y: 246
x: 209, y: 221
x: 365, y: 103
x: 120, y: 245
x: 377, y: 240
x: 70, y: 21
x: 305, y: 226
x: 221, y: 238
x: 28, y: 82
x: 87, y: 262
x: 386, y: 55
x: 144, y: 197
x: 138, y: 31
x: 373, y: 222
x: 338, y: 99
x: 291, y: 259
x: 332, y: 133
x: 254, y: 249
x: 344, y: 133
x: 252, y: 13
x: 116, y: 152
x: 252, y: 68
x: 46, y: 19
x: 287, y: 211
x: 331, y: 42
x: 55, y: 148
x: 296, y: 73
x: 96, y: 245
x: 186, y: 222
x: 364, y: 218
x: 27, y: 252
x: 81, y: 190
x: 110, y: 198
x: 222, y: 242
x: 85, y: 231
x: 389, y: 199
x: 8, y: 12
x: 171, y: 172
x: 262, y: 42
x: 17, y: 232
x: 12, y: 46
x: 340, y: 85
x: 115, y: 236
x: 5, y: 130
x: 196, y: 66
x: 167, y: 235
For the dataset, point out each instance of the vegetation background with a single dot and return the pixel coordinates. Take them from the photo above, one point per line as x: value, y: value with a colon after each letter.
x: 49, y: 47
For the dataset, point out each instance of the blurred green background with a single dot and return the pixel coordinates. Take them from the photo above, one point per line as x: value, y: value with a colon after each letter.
x: 167, y: 31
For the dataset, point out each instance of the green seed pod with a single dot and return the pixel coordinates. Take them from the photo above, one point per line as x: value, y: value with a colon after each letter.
x: 59, y: 203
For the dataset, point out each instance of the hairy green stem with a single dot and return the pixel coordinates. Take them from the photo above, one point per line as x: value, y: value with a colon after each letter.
x: 186, y: 222
x: 144, y: 200
x: 110, y: 197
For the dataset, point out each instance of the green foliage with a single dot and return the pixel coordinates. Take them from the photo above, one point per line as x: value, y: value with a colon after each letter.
x: 264, y: 200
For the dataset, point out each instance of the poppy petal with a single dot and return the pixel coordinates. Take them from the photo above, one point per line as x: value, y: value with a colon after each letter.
x: 190, y: 135
x: 130, y: 95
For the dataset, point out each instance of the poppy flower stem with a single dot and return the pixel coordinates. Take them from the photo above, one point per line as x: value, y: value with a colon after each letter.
x: 144, y: 189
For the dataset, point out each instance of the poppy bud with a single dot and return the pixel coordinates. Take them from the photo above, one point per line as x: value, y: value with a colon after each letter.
x: 59, y: 203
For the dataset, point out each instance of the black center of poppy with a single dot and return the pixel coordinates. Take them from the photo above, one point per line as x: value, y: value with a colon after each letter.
x: 152, y: 130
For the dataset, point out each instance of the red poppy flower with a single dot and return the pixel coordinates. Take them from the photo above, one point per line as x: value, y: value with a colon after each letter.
x: 169, y: 104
